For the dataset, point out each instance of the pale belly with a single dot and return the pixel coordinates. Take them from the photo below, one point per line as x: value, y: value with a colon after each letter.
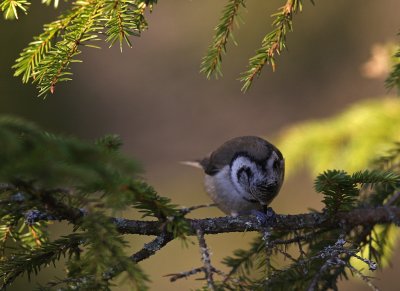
x: 227, y: 197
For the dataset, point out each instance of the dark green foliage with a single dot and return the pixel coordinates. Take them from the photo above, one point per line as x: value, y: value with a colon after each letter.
x: 31, y: 155
x: 45, y: 177
x: 97, y: 228
x: 393, y: 80
x: 33, y: 261
x: 341, y: 190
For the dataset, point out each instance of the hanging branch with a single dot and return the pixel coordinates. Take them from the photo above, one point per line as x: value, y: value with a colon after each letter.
x: 273, y: 43
x: 211, y: 63
x: 47, y: 59
x: 393, y: 80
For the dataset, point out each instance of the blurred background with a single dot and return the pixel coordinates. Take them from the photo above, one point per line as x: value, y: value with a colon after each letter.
x: 154, y: 97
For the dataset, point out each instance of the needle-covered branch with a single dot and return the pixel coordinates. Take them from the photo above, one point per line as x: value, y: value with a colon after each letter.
x: 307, y: 221
x: 82, y: 184
x: 47, y: 60
x: 211, y: 63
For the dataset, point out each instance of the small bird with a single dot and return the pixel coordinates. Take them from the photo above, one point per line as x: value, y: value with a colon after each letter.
x: 243, y: 175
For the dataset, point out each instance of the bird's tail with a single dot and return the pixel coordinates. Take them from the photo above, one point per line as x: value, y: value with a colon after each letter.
x: 195, y: 164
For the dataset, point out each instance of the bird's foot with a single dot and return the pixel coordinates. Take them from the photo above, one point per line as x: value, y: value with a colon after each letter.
x: 265, y: 218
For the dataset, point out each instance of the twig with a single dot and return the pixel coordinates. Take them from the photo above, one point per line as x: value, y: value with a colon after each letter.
x: 152, y: 247
x: 205, y: 257
x: 392, y: 199
x: 187, y: 210
x: 333, y: 258
x: 328, y: 264
x: 287, y: 255
x: 366, y: 279
x: 185, y: 274
x: 302, y: 252
x: 194, y: 271
x: 148, y: 250
x: 268, y: 250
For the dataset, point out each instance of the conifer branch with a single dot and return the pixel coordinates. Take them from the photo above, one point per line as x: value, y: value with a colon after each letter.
x: 53, y: 68
x: 125, y: 19
x: 32, y: 55
x: 307, y: 221
x: 273, y: 43
x: 79, y: 183
x: 47, y: 59
x: 393, y: 80
x: 176, y: 276
x: 284, y: 222
x: 10, y: 8
x: 33, y: 261
x: 211, y: 63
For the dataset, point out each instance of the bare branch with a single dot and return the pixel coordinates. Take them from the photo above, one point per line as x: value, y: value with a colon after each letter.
x: 205, y: 257
x: 308, y: 221
x: 185, y: 274
x: 361, y: 216
x: 148, y: 250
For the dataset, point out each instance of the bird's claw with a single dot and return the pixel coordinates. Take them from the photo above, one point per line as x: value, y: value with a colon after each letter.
x: 265, y: 218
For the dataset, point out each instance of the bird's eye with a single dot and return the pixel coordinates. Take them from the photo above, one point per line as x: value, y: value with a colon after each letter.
x: 249, y: 173
x: 276, y: 165
x: 244, y: 173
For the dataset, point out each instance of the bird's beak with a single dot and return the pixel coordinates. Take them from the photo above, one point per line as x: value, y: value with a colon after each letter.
x: 270, y: 187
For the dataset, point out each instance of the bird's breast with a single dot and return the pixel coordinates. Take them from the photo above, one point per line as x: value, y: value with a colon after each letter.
x: 228, y: 198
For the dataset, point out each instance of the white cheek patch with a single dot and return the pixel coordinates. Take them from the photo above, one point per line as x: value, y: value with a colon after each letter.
x: 237, y: 165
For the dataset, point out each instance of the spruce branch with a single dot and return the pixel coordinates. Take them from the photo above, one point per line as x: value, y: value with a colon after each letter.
x: 83, y: 183
x: 393, y: 80
x: 211, y: 63
x: 125, y: 19
x: 10, y: 8
x: 47, y: 59
x: 273, y: 43
x: 307, y: 221
x: 176, y: 276
x: 55, y: 67
x: 35, y: 260
x: 30, y: 57
x: 285, y: 222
